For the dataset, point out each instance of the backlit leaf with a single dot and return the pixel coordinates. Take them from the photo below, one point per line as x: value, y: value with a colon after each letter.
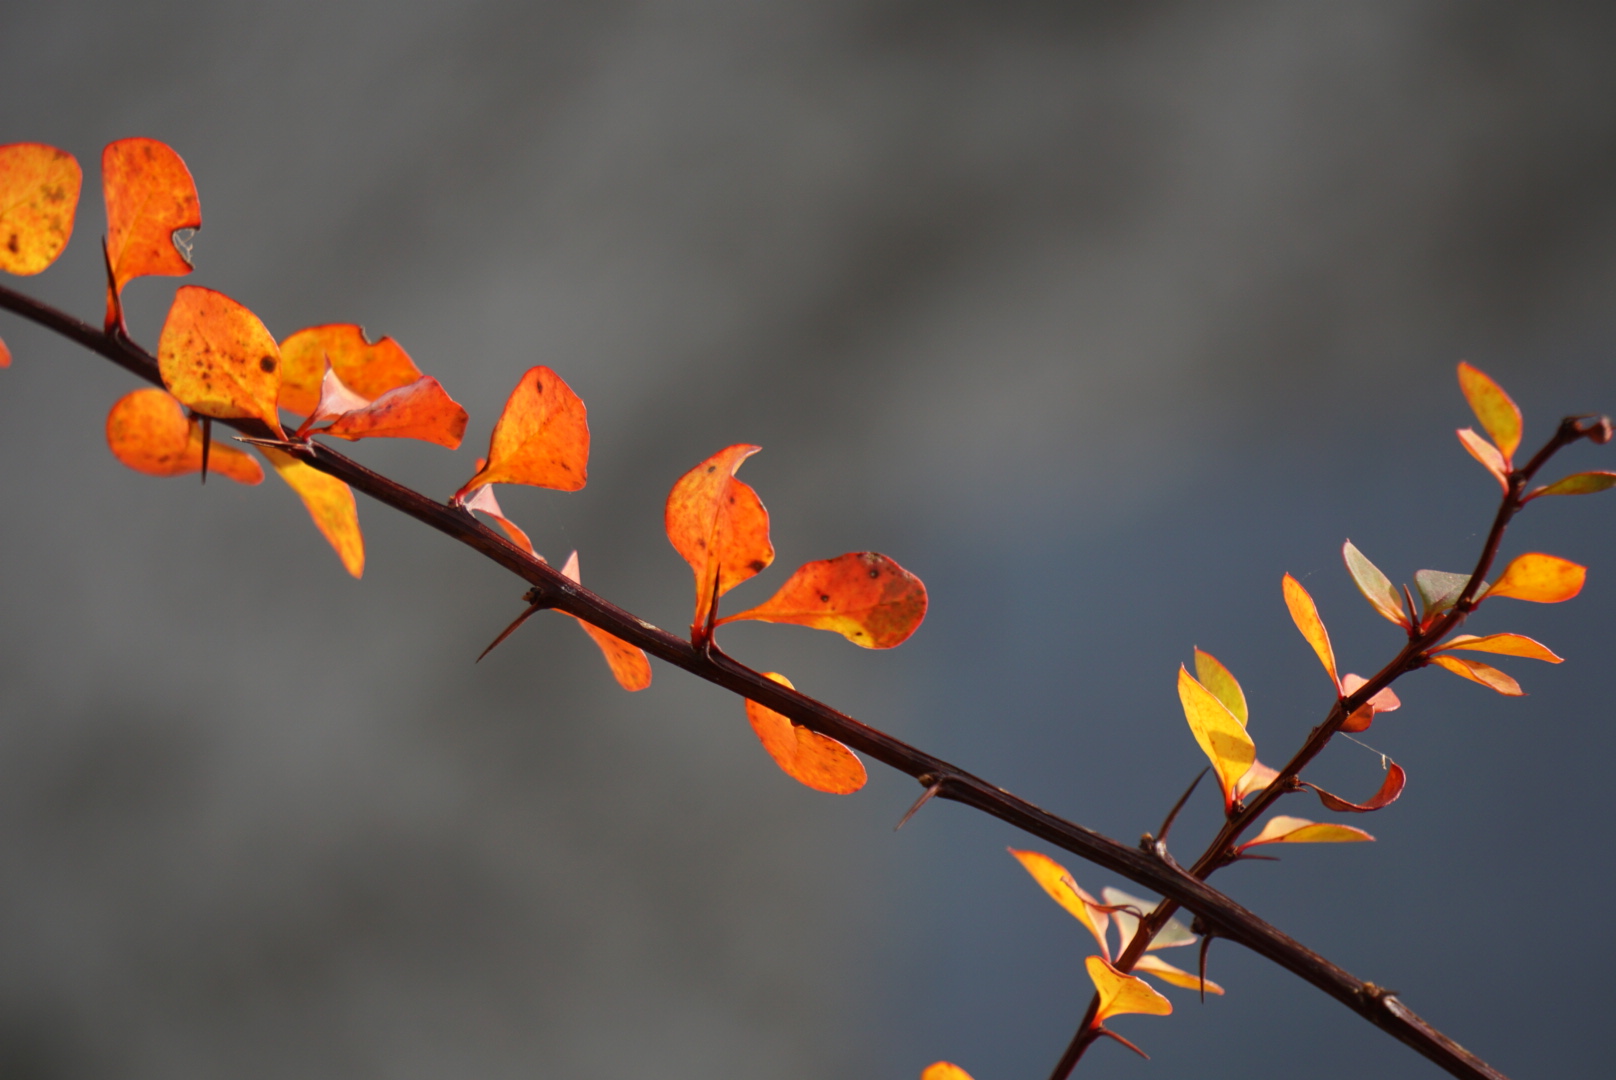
x: 150, y: 196
x: 39, y: 198
x: 1257, y: 778
x: 1376, y: 587
x: 1224, y: 686
x: 149, y: 432
x: 217, y: 358
x: 1583, y: 483
x: 1173, y: 933
x: 1057, y: 881
x: 1440, y: 590
x: 421, y: 410
x: 542, y: 438
x: 628, y: 663
x: 1493, y: 407
x: 1486, y: 453
x: 482, y: 500
x: 1390, y: 788
x: 5, y: 354
x: 1543, y: 579
x: 1294, y: 830
x: 806, y: 756
x: 1167, y: 973
x: 1306, y: 616
x: 1385, y: 700
x: 867, y: 598
x: 1218, y: 731
x: 330, y: 503
x: 368, y: 368
x: 1504, y: 644
x: 1485, y: 674
x: 720, y: 527
x: 1123, y: 994
x: 944, y: 1070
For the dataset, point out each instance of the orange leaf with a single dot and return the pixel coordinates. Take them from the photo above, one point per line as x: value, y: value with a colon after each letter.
x: 1224, y: 686
x: 542, y: 437
x: 1485, y: 674
x: 1306, y: 616
x: 944, y: 1070
x: 806, y: 756
x: 1583, y: 483
x: 369, y: 369
x: 217, y: 358
x: 1123, y: 994
x: 1504, y: 644
x: 39, y: 197
x: 1486, y: 453
x: 867, y: 598
x: 1543, y: 579
x: 1383, y: 701
x: 1493, y: 407
x: 150, y: 196
x: 421, y: 410
x: 5, y: 354
x: 1294, y: 830
x: 1167, y: 973
x: 1218, y: 731
x: 483, y: 501
x: 1390, y: 789
x: 330, y: 503
x: 1057, y: 881
x: 1376, y: 587
x: 149, y: 432
x: 628, y: 662
x: 720, y: 527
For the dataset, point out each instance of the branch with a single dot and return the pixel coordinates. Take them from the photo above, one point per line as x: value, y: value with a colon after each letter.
x: 1148, y: 868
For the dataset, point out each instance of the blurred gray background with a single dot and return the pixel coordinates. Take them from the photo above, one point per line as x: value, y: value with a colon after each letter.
x: 1097, y: 317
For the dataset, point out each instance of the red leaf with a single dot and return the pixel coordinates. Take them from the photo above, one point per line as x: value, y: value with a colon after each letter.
x: 369, y: 369
x: 541, y: 439
x: 1390, y: 789
x: 808, y: 757
x: 867, y: 598
x: 718, y: 524
x: 421, y: 410
x: 150, y: 196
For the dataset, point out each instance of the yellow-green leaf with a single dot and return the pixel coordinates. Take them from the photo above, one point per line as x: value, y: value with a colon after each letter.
x: 1224, y: 686
x: 1172, y: 934
x: 1583, y: 483
x: 1218, y: 731
x: 1376, y: 587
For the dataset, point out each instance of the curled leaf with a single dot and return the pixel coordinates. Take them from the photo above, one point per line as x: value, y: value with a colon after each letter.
x: 1383, y: 701
x: 944, y: 1070
x: 1282, y: 829
x: 1167, y: 973
x: 718, y: 524
x: 1486, y: 453
x: 150, y: 196
x: 39, y: 198
x: 1477, y: 672
x: 1219, y: 733
x: 808, y: 757
x: 1172, y: 935
x: 1390, y: 789
x: 1494, y: 408
x: 1583, y: 483
x: 1306, y: 616
x: 865, y: 597
x: 330, y: 503
x: 1503, y: 644
x: 368, y: 368
x: 148, y: 431
x: 217, y: 358
x: 1057, y: 881
x: 421, y: 410
x: 1224, y: 686
x: 1543, y: 579
x: 1376, y: 587
x: 628, y: 663
x: 541, y: 439
x: 1123, y: 994
x: 482, y: 500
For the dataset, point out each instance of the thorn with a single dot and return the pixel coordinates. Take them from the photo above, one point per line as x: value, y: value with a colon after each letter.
x: 1120, y: 1039
x: 207, y: 444
x: 534, y: 607
x: 1206, y: 943
x: 1172, y: 815
x: 925, y: 797
x: 278, y: 444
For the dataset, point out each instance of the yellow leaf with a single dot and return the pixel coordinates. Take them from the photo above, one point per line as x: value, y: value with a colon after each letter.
x: 1306, y: 616
x: 1543, y: 579
x: 1497, y: 413
x: 1167, y: 973
x: 1057, y: 881
x: 1477, y: 672
x: 1123, y: 994
x: 330, y: 503
x: 1218, y: 731
x: 39, y: 197
x: 1294, y: 830
x: 1503, y: 644
x: 1216, y: 678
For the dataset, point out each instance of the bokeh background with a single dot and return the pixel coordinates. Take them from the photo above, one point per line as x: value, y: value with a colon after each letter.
x: 1098, y: 317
